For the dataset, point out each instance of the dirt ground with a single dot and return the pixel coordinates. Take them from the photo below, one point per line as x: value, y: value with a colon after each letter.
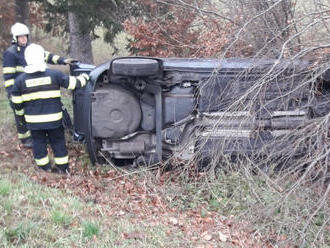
x: 128, y: 193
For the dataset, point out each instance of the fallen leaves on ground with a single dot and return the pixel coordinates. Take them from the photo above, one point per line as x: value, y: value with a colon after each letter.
x: 120, y: 194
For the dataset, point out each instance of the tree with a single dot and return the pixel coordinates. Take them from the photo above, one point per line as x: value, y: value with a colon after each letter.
x: 207, y: 28
x: 80, y: 18
x: 266, y: 24
x: 22, y: 11
x: 7, y: 14
x: 169, y: 28
x: 80, y: 42
x: 162, y: 31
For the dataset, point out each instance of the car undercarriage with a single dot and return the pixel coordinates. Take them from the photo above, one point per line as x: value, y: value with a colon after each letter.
x: 146, y: 110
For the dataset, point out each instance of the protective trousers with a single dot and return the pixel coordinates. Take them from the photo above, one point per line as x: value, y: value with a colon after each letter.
x: 23, y: 132
x: 57, y: 142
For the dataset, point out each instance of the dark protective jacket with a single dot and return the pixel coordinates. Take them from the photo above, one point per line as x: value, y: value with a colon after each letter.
x: 38, y: 95
x: 14, y: 63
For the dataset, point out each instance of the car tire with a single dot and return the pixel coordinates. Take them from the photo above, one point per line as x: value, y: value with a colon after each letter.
x: 138, y: 67
x: 91, y: 143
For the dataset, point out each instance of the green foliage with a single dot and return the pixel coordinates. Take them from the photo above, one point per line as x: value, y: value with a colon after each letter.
x: 60, y: 218
x: 5, y: 111
x: 7, y: 205
x: 5, y: 187
x: 90, y: 229
x: 19, y: 233
x: 228, y: 194
x: 319, y: 219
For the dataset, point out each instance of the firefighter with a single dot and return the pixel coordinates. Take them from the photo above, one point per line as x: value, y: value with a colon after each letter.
x: 36, y: 92
x: 13, y: 65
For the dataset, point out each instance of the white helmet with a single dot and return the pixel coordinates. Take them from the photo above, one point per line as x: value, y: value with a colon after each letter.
x: 35, y: 58
x: 19, y: 29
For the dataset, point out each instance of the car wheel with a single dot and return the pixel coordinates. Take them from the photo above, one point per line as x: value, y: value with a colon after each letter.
x: 138, y: 67
x: 91, y: 143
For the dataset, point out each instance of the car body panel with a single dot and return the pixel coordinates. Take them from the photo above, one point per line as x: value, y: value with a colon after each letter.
x: 184, y: 105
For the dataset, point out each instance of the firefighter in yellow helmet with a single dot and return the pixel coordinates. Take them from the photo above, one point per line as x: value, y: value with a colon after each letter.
x: 13, y: 65
x: 37, y: 93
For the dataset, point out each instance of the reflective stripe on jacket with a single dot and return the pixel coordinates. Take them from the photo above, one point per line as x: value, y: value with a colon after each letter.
x: 40, y: 97
x: 14, y: 63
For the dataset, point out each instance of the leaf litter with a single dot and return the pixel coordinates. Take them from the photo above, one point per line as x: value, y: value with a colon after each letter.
x: 120, y: 195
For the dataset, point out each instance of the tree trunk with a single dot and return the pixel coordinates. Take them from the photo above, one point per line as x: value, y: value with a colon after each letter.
x: 22, y: 11
x: 80, y: 41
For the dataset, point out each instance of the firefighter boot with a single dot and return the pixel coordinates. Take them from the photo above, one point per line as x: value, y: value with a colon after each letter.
x: 46, y: 167
x: 62, y: 169
x: 27, y: 142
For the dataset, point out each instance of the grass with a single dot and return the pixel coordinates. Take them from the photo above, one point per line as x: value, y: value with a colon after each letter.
x: 61, y: 218
x: 90, y: 229
x: 5, y: 187
x: 249, y: 197
x: 5, y: 110
x: 19, y: 233
x: 229, y: 194
x: 33, y: 215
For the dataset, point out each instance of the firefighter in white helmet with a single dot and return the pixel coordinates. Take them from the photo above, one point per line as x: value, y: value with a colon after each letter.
x: 13, y: 65
x: 37, y: 93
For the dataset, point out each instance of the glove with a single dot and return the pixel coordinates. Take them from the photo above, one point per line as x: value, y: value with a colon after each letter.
x: 69, y: 61
x: 83, y: 78
x: 86, y: 76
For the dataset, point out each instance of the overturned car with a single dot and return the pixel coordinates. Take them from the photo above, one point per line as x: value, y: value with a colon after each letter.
x: 145, y: 110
